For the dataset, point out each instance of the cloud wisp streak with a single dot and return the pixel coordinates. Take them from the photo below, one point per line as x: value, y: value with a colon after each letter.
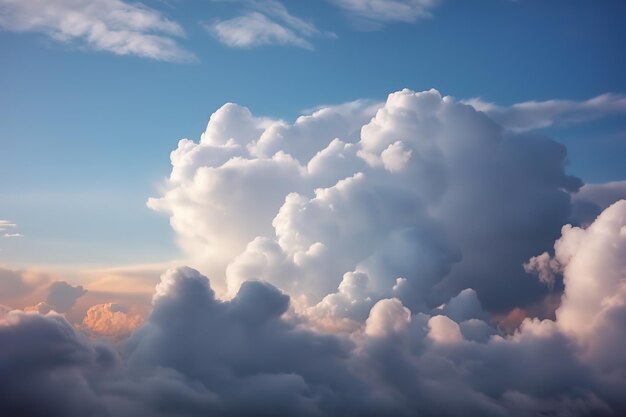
x: 531, y: 115
x: 265, y: 23
x: 376, y: 13
x: 105, y: 25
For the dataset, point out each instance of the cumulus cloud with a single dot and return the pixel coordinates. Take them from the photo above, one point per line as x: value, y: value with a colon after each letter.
x: 377, y: 12
x: 106, y: 25
x: 420, y: 187
x: 539, y: 114
x: 593, y: 309
x: 111, y: 319
x: 266, y: 23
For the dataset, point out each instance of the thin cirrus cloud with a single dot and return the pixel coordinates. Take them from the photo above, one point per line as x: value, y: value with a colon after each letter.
x: 5, y: 225
x: 539, y: 114
x: 264, y: 23
x: 105, y: 25
x: 375, y: 13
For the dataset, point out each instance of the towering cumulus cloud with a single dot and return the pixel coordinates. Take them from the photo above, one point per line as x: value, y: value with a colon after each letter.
x: 361, y: 261
x: 421, y: 188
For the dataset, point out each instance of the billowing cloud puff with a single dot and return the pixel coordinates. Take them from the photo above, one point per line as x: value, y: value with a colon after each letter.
x: 421, y: 188
x: 593, y: 264
x: 111, y: 319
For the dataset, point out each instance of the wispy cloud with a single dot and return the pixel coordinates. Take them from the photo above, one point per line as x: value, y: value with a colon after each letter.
x: 540, y: 114
x: 264, y: 23
x: 374, y: 13
x: 105, y: 25
x: 5, y: 225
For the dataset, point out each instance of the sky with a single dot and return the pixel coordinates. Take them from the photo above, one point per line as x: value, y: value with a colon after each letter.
x: 78, y: 194
x: 377, y: 205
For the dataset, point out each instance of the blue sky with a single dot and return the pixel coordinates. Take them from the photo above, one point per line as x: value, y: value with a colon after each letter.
x: 86, y: 132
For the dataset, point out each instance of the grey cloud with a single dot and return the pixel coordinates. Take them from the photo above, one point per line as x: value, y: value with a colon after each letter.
x: 62, y: 296
x: 591, y: 199
x: 198, y: 355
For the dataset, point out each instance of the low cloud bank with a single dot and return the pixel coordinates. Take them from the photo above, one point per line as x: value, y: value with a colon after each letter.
x: 198, y: 355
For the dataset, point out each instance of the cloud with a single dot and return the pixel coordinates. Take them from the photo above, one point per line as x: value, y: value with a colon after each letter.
x: 198, y: 355
x: 112, y: 320
x: 62, y: 296
x: 6, y: 224
x: 409, y: 188
x: 344, y: 283
x: 20, y: 288
x: 593, y: 309
x: 540, y: 114
x: 267, y: 23
x: 104, y: 25
x: 377, y: 12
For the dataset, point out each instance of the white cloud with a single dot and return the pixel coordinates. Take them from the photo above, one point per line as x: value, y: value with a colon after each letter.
x: 5, y: 225
x: 387, y: 317
x: 540, y: 114
x: 593, y: 309
x: 105, y: 25
x: 377, y: 12
x: 403, y: 189
x: 267, y: 23
x: 443, y: 330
